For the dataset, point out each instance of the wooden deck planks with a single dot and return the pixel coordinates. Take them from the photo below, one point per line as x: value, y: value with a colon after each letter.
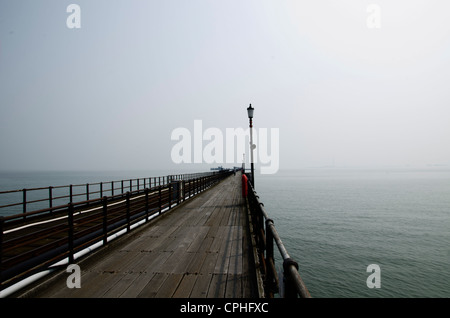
x: 197, y: 250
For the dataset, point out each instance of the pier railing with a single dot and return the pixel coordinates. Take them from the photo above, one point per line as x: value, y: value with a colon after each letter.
x: 32, y: 199
x: 265, y: 236
x: 32, y: 241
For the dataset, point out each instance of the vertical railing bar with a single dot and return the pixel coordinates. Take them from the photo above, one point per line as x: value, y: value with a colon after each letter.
x: 183, y: 189
x: 160, y: 199
x: 128, y: 211
x: 50, y: 197
x: 289, y: 287
x: 146, y: 204
x: 70, y: 234
x: 170, y: 195
x: 272, y: 280
x: 24, y: 197
x: 105, y: 220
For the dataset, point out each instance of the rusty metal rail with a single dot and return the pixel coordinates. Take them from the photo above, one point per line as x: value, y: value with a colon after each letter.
x: 265, y: 237
x: 32, y: 241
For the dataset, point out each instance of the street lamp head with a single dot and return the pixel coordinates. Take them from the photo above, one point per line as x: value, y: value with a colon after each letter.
x: 250, y: 110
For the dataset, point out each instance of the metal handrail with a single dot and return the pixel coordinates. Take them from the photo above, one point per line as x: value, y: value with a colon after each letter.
x: 266, y: 234
x: 88, y: 190
x: 26, y: 247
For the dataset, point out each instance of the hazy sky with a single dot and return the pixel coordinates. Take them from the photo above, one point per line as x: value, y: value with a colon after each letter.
x: 109, y: 94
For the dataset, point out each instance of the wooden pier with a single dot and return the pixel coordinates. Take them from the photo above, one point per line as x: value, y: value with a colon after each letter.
x: 192, y: 236
x: 199, y: 249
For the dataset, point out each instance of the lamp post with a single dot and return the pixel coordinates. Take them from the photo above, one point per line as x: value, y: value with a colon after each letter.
x: 250, y: 110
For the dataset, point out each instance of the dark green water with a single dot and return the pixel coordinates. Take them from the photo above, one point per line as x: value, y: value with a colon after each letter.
x: 335, y: 223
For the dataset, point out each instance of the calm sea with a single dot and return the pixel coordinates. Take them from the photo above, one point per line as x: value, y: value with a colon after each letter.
x: 336, y: 222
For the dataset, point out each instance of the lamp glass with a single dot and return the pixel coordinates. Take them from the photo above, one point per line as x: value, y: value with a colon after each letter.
x: 250, y: 110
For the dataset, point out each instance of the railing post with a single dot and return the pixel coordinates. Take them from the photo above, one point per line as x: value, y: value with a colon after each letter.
x: 101, y: 189
x: 70, y: 221
x: 189, y: 188
x: 50, y: 197
x: 70, y: 193
x: 146, y: 204
x: 105, y: 220
x: 112, y: 188
x: 196, y: 186
x: 272, y: 278
x: 183, y: 189
x: 87, y: 192
x: 24, y: 196
x: 269, y: 240
x: 128, y: 210
x: 289, y: 286
x: 170, y: 195
x: 160, y: 199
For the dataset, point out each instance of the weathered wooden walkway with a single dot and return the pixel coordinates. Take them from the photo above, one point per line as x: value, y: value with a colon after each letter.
x: 201, y: 248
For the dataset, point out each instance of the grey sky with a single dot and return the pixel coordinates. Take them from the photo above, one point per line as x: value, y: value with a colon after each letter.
x: 108, y: 95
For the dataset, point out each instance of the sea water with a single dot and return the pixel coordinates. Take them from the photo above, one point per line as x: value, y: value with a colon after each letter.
x: 336, y: 222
